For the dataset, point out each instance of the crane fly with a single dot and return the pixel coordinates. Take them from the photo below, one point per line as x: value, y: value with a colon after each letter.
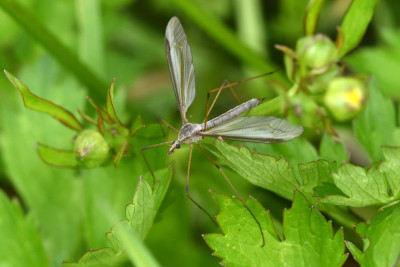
x: 229, y: 125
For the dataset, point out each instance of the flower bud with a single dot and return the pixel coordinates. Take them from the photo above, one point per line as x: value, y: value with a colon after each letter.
x: 345, y: 97
x: 91, y: 149
x: 316, y: 51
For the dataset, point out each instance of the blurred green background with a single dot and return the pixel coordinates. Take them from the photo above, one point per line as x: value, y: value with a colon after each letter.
x: 67, y: 212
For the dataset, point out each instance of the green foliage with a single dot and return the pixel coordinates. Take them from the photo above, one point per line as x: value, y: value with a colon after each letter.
x: 57, y: 157
x: 379, y: 185
x: 332, y: 150
x: 355, y: 24
x: 304, y: 231
x: 346, y: 162
x: 126, y: 236
x: 312, y: 15
x: 16, y: 229
x: 381, y: 239
x: 34, y: 102
x: 375, y: 127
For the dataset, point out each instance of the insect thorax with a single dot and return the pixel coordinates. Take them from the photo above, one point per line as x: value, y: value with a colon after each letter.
x: 188, y: 132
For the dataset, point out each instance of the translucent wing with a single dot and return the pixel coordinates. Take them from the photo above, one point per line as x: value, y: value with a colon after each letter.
x: 255, y: 129
x: 180, y: 64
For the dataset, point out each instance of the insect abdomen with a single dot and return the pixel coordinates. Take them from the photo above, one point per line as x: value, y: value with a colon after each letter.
x: 236, y: 111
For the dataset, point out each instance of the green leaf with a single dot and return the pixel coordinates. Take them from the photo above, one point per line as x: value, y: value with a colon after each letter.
x: 381, y: 239
x: 355, y: 23
x: 53, y: 196
x: 312, y: 15
x: 57, y: 157
x: 273, y: 173
x: 267, y: 108
x: 101, y: 257
x: 295, y: 151
x: 127, y: 236
x: 34, y: 102
x: 137, y: 124
x: 378, y: 185
x: 101, y: 113
x: 261, y: 170
x: 370, y: 59
x: 378, y: 114
x: 21, y: 243
x: 308, y: 237
x: 120, y: 153
x: 315, y: 173
x: 110, y: 103
x: 333, y: 150
x: 146, y: 202
x: 391, y: 168
x: 133, y: 246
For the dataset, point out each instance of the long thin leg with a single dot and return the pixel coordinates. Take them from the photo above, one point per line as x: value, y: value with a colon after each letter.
x: 208, y: 109
x: 160, y: 120
x: 244, y: 80
x: 225, y: 85
x: 145, y: 159
x: 236, y: 192
x: 187, y: 187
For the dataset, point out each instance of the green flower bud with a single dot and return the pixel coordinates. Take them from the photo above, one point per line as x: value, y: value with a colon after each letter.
x: 316, y: 51
x: 345, y: 97
x: 91, y: 149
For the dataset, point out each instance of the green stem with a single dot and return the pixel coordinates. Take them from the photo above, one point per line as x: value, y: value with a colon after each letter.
x: 55, y: 47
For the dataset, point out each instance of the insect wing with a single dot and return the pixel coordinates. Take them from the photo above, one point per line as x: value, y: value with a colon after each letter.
x: 255, y: 129
x: 180, y: 64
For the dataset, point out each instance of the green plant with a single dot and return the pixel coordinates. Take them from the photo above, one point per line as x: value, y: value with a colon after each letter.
x: 344, y: 168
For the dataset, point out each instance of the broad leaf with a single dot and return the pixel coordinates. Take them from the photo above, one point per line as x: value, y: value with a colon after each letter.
x: 382, y: 61
x: 37, y: 103
x: 312, y: 15
x: 308, y: 238
x: 131, y: 232
x: 355, y: 23
x: 271, y: 173
x: 57, y: 157
x: 261, y: 170
x: 15, y: 232
x: 52, y: 196
x: 377, y: 115
x: 358, y: 187
x: 146, y: 202
x: 381, y: 239
x: 97, y: 258
x: 332, y: 150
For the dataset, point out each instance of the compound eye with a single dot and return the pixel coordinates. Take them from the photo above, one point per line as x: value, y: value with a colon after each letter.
x: 178, y: 146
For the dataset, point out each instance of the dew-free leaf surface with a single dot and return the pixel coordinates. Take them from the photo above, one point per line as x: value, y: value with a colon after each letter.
x: 274, y: 174
x: 359, y: 187
x: 15, y: 230
x: 37, y: 103
x: 381, y: 239
x: 375, y: 126
x: 308, y: 239
x: 355, y: 23
x: 127, y: 237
